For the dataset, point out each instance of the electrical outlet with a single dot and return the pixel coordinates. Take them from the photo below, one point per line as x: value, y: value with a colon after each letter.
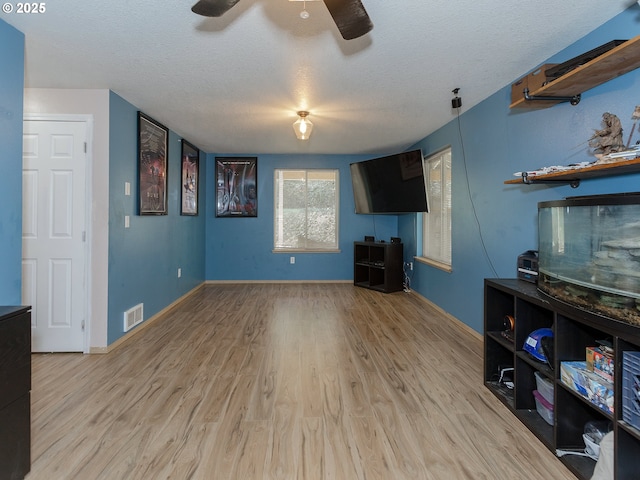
x: 292, y: 260
x: 410, y: 265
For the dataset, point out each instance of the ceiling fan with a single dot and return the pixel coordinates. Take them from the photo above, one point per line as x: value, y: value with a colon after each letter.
x: 350, y: 16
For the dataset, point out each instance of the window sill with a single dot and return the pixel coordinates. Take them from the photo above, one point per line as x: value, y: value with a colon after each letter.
x: 434, y: 263
x: 304, y: 250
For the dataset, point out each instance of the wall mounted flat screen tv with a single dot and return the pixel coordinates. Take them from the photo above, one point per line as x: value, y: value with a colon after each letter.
x: 393, y: 184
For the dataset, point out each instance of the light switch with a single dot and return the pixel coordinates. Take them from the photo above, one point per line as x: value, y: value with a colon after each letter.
x: 127, y: 188
x: 126, y: 221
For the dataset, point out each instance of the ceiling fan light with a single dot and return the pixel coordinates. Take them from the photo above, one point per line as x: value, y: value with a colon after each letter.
x: 303, y: 126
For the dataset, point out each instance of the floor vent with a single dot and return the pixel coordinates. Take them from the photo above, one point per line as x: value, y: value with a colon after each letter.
x: 133, y: 317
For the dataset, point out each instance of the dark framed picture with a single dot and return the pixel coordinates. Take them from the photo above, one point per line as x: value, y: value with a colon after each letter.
x: 237, y: 187
x: 152, y: 166
x: 189, y: 179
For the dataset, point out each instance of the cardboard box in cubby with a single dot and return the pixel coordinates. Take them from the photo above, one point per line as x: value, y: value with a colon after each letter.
x: 600, y: 364
x: 591, y: 386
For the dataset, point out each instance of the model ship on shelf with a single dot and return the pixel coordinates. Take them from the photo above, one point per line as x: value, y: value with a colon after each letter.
x: 572, y: 175
x: 552, y: 169
x: 633, y: 152
x: 613, y: 157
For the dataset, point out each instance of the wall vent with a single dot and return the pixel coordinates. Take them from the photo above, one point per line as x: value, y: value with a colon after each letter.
x: 133, y: 317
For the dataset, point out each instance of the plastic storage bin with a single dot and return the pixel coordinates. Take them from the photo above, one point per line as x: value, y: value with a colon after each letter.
x: 545, y: 387
x: 544, y: 408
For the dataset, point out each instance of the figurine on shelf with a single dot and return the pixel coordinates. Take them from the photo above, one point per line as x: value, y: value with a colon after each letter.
x: 609, y: 138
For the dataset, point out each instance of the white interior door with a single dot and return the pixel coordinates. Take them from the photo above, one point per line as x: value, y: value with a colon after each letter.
x: 54, y: 233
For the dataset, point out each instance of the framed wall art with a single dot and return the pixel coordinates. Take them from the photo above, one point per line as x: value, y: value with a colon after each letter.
x: 152, y: 166
x: 189, y: 179
x: 237, y: 187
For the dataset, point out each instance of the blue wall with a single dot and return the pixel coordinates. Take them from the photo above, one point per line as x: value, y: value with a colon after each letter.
x: 494, y: 143
x: 241, y: 248
x: 144, y: 259
x: 11, y: 96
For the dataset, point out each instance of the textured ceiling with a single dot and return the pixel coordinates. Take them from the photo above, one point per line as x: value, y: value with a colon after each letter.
x: 233, y: 84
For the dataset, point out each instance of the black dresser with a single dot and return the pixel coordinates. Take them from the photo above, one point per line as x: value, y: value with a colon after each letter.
x: 15, y: 392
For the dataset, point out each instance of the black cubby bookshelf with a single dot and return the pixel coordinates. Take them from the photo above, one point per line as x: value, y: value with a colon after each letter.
x: 574, y: 331
x: 378, y: 266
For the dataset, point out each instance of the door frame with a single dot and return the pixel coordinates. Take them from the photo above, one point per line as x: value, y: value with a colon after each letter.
x: 88, y: 121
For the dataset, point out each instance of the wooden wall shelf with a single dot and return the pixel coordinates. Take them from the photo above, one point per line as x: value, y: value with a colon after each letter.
x: 573, y: 177
x: 617, y: 61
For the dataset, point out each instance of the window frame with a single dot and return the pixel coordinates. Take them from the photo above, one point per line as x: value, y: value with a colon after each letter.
x: 276, y: 189
x: 445, y: 209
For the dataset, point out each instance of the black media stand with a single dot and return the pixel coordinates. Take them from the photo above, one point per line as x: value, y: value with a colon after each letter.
x: 15, y: 392
x: 574, y: 330
x: 378, y: 266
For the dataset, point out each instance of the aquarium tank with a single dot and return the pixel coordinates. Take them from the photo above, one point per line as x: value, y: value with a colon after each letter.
x: 589, y: 253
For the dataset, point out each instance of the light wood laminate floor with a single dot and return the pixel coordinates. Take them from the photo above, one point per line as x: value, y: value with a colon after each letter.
x: 282, y: 381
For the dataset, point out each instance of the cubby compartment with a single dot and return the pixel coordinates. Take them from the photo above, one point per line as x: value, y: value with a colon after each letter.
x: 499, y: 305
x: 572, y: 415
x: 525, y: 401
x: 627, y: 450
x: 630, y: 389
x: 529, y: 318
x: 526, y: 382
x: 497, y: 358
x: 574, y: 336
x: 627, y: 454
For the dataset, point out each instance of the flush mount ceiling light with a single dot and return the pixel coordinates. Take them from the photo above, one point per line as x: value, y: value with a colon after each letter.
x: 303, y: 126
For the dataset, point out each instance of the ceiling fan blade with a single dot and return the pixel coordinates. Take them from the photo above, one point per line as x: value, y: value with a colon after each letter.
x: 213, y: 8
x: 350, y: 16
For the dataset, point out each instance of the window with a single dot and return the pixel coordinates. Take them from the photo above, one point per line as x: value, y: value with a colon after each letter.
x: 306, y: 210
x: 436, y: 233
